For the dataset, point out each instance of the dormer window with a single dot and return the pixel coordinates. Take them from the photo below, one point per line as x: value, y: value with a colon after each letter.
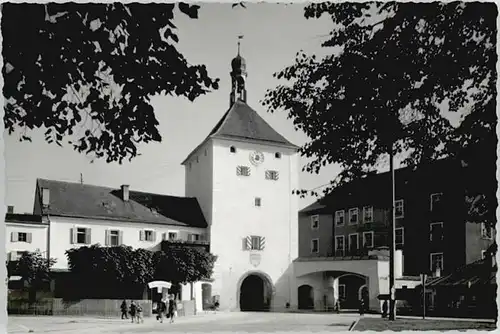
x: 277, y: 155
x: 232, y: 149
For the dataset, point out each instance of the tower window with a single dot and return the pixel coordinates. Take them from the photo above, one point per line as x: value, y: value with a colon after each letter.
x: 243, y: 171
x: 232, y: 149
x: 257, y: 201
x: 272, y: 175
x: 277, y: 155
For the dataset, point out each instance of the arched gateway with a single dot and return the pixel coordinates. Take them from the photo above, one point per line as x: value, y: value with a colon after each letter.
x: 255, y: 292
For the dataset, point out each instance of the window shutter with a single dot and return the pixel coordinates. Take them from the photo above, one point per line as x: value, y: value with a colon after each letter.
x: 164, y: 236
x: 268, y: 175
x: 244, y: 244
x: 29, y: 237
x: 14, y: 236
x: 12, y: 256
x: 141, y: 235
x: 276, y: 175
x: 120, y: 238
x: 262, y: 243
x: 249, y: 242
x: 88, y: 240
x: 106, y: 238
x: 154, y: 236
x: 72, y: 235
x: 238, y: 170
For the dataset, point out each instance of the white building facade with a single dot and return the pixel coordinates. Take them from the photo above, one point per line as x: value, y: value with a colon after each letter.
x: 68, y: 232
x: 243, y: 175
x: 25, y: 233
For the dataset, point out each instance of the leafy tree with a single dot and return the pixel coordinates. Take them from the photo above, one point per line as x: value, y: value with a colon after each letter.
x: 34, y: 269
x: 107, y: 271
x: 395, y: 74
x: 94, y: 66
x: 184, y: 264
x: 102, y: 271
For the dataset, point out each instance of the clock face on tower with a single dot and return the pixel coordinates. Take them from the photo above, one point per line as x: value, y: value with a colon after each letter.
x: 256, y: 158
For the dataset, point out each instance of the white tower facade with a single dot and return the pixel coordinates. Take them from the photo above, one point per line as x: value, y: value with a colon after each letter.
x: 243, y: 175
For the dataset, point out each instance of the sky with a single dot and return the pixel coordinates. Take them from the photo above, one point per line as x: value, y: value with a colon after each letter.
x: 273, y: 34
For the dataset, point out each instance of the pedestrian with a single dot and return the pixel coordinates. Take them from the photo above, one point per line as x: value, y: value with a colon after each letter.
x: 172, y: 308
x: 124, y: 309
x: 384, y: 309
x: 160, y: 309
x: 361, y: 306
x: 132, y: 311
x: 139, y: 316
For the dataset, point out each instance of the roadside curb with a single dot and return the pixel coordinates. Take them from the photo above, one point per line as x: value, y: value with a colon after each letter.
x: 353, y: 325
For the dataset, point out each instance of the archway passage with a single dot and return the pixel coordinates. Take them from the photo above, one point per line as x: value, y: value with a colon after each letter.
x: 351, y: 290
x: 306, y: 300
x: 253, y: 294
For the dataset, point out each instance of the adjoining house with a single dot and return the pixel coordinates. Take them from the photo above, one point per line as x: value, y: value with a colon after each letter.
x: 23, y: 233
x: 340, y: 234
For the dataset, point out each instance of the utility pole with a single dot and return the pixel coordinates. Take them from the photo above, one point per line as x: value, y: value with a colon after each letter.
x: 81, y: 178
x: 392, y: 238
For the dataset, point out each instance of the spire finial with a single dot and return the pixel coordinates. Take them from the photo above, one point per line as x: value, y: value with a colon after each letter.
x: 240, y: 37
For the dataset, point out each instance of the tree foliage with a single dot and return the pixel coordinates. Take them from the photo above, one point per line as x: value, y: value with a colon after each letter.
x: 33, y: 268
x: 112, y: 269
x: 395, y: 74
x: 94, y: 67
x: 181, y: 264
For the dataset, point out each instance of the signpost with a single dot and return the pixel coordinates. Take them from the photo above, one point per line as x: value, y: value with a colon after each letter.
x: 423, y: 277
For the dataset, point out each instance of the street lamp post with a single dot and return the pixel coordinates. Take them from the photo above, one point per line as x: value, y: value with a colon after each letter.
x: 392, y: 239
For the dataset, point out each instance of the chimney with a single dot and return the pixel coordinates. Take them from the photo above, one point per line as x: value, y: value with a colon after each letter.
x: 10, y: 209
x: 45, y: 197
x: 125, y: 192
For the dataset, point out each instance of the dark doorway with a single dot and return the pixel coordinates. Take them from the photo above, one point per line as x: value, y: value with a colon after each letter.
x: 206, y: 295
x: 350, y: 291
x: 252, y: 294
x: 306, y: 299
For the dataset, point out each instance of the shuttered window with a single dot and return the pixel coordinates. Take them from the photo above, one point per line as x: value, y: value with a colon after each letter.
x: 80, y: 236
x: 21, y: 237
x: 114, y: 238
x: 272, y: 175
x: 147, y: 235
x: 254, y: 243
x: 243, y: 171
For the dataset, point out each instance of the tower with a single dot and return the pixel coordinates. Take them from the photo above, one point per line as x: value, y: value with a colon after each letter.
x: 238, y: 78
x: 243, y: 175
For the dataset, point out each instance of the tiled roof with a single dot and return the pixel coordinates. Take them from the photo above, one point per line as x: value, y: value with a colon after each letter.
x: 313, y: 208
x: 378, y: 182
x: 90, y: 201
x: 23, y: 218
x: 242, y: 122
x: 480, y: 272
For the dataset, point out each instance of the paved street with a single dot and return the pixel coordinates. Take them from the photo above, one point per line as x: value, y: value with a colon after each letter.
x: 220, y: 322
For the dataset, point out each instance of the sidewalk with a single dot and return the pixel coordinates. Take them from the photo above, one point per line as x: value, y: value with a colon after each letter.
x: 430, y: 318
